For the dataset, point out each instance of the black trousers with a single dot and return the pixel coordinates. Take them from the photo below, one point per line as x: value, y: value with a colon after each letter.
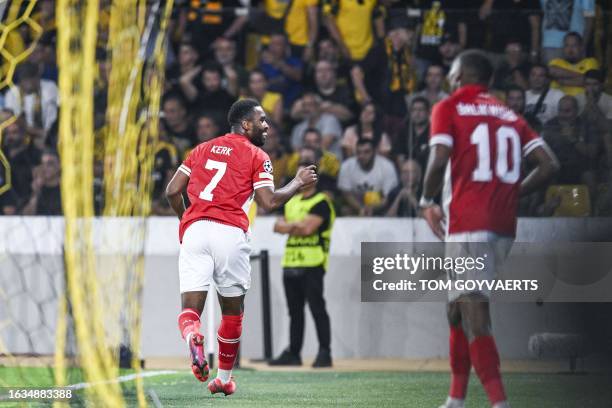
x: 306, y: 285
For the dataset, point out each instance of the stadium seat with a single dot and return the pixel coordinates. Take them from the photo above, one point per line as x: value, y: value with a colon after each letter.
x: 575, y: 200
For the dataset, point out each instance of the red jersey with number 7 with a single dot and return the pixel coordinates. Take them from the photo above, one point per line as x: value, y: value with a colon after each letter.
x: 223, y: 175
x: 484, y: 173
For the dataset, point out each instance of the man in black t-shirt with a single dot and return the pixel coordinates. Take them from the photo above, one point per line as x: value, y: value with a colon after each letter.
x: 22, y: 156
x: 439, y: 18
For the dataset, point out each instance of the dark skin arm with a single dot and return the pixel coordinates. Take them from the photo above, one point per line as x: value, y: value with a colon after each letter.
x: 269, y: 199
x: 546, y: 166
x: 174, y: 192
x: 265, y: 197
x: 432, y: 184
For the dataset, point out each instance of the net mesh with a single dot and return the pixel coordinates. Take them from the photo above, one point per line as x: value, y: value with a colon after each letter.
x: 70, y: 291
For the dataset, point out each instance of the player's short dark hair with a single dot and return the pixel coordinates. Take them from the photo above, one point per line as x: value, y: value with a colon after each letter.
x: 477, y: 64
x: 574, y: 34
x: 420, y: 99
x: 241, y: 110
x: 364, y: 141
x: 596, y: 74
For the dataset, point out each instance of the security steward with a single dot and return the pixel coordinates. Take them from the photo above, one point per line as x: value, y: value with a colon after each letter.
x: 308, y: 220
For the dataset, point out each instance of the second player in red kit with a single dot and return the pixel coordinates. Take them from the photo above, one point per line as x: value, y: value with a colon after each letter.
x: 222, y: 177
x: 477, y: 145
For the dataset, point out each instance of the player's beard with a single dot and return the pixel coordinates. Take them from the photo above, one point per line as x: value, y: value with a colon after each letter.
x: 259, y: 138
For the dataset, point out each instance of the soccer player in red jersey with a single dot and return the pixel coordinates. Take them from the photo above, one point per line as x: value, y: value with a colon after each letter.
x: 477, y: 144
x: 222, y: 176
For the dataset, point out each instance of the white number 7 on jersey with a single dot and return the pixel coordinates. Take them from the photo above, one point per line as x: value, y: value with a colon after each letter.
x: 207, y: 194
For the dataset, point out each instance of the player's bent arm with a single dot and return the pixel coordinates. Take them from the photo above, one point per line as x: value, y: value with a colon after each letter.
x: 436, y: 165
x: 174, y: 192
x: 306, y: 227
x: 270, y: 200
x: 546, y: 165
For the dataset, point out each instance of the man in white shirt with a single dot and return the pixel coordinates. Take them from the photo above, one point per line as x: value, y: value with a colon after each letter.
x: 36, y: 98
x: 593, y: 93
x: 541, y: 100
x: 366, y: 180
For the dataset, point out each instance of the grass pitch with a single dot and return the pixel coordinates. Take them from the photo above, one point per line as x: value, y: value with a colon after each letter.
x: 345, y: 389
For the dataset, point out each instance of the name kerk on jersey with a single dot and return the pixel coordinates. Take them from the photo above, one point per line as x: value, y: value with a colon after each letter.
x: 498, y: 111
x: 221, y: 150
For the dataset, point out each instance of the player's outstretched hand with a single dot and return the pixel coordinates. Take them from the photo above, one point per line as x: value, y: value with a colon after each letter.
x: 307, y: 175
x: 434, y: 217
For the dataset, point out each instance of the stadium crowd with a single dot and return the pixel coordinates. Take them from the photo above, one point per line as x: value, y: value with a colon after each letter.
x: 354, y: 80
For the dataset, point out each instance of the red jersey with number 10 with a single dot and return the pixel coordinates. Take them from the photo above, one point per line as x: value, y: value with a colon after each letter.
x: 223, y: 175
x: 482, y: 179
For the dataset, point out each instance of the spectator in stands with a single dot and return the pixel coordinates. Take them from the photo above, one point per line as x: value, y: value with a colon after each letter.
x: 186, y: 70
x: 560, y: 18
x: 43, y: 56
x: 434, y: 80
x: 355, y: 26
x: 515, y: 99
x: 271, y: 102
x: 207, y: 128
x: 36, y: 98
x: 513, y: 20
x: 568, y: 72
x: 387, y: 75
x: 327, y: 50
x: 205, y: 23
x: 326, y: 123
x: 541, y: 100
x: 337, y: 99
x: 209, y: 95
x: 369, y: 126
x: 366, y: 181
x: 284, y: 72
x: 438, y: 17
x: 236, y: 77
x: 328, y: 166
x: 594, y: 102
x: 413, y: 140
x: 448, y: 50
x: 177, y: 121
x: 164, y: 165
x: 298, y: 19
x: 513, y: 69
x: 46, y: 198
x: 22, y: 156
x: 574, y: 145
x: 404, y: 199
x: 8, y: 200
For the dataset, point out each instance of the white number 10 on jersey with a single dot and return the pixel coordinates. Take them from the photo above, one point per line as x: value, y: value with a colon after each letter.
x: 506, y: 138
x: 207, y: 194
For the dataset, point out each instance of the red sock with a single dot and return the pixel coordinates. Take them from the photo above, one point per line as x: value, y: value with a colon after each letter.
x: 229, y: 340
x: 459, y: 353
x: 485, y: 359
x: 188, y: 322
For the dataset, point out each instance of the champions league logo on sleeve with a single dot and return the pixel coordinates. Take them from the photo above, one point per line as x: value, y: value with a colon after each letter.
x: 267, y: 166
